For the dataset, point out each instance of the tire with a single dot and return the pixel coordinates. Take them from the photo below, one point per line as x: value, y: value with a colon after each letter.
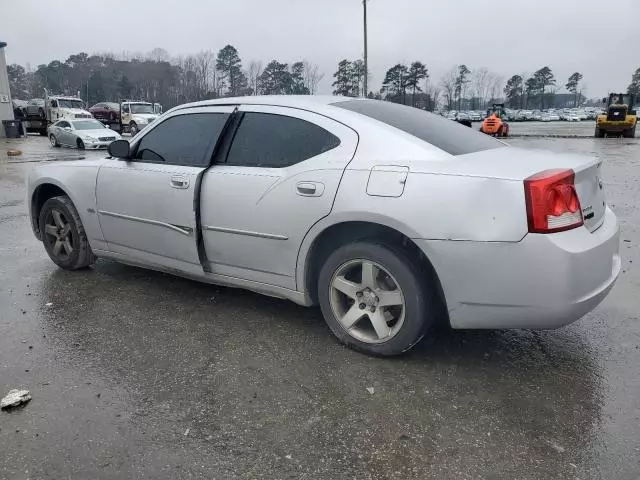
x: 133, y: 128
x: 54, y: 141
x: 599, y: 133
x: 80, y: 254
x: 630, y: 132
x: 410, y: 319
x: 80, y: 144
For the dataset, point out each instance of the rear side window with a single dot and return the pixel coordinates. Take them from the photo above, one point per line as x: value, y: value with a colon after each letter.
x: 183, y: 140
x: 444, y: 134
x: 275, y: 141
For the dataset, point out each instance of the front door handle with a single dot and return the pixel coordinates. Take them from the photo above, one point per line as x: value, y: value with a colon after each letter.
x: 310, y: 189
x: 179, y: 181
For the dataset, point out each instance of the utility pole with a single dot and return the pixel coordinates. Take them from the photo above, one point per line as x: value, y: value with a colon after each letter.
x: 366, y: 68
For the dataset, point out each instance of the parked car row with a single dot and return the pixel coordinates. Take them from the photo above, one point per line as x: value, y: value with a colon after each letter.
x: 547, y: 115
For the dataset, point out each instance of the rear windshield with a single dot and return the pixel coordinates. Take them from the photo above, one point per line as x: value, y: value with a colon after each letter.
x: 447, y: 135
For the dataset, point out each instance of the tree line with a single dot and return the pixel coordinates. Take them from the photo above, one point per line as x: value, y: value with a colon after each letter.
x: 158, y: 77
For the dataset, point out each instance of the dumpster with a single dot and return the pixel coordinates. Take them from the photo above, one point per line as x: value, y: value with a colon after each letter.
x: 11, y: 128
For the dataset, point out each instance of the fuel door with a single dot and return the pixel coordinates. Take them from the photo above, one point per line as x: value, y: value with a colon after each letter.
x: 387, y: 180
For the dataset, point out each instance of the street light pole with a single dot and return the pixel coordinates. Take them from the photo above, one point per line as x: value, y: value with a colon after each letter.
x: 366, y: 68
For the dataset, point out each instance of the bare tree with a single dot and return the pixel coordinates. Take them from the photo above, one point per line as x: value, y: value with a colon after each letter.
x: 312, y: 76
x: 204, y: 67
x: 253, y: 74
x: 480, y: 81
x: 495, y: 83
x: 448, y: 83
x: 158, y: 55
x: 433, y: 95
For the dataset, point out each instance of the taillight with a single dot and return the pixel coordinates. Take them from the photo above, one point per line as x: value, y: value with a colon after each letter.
x: 552, y: 202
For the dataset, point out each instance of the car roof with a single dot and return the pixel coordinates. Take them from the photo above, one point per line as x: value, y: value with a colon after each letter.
x: 293, y: 101
x: 281, y: 100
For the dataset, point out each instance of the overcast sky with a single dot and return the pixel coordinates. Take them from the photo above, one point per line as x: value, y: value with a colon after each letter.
x: 506, y: 37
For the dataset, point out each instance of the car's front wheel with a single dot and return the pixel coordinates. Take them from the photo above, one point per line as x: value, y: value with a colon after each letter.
x: 63, y: 235
x: 373, y: 298
x: 54, y: 141
x: 133, y: 128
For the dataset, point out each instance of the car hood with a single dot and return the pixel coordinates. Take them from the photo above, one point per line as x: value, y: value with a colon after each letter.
x: 72, y: 110
x: 146, y: 116
x: 44, y: 170
x: 100, y: 132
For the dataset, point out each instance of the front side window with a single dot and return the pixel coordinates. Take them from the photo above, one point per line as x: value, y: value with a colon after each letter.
x: 183, y: 139
x: 63, y: 124
x: 276, y: 141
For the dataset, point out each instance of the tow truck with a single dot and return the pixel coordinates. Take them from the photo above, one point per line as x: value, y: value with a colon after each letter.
x: 40, y: 114
x: 134, y: 116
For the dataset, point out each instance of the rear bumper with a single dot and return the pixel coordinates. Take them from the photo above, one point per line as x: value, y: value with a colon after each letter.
x: 541, y: 282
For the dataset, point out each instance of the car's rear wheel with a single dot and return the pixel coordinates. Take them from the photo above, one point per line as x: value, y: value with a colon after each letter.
x: 63, y: 235
x: 374, y: 300
x: 54, y: 141
x: 599, y: 133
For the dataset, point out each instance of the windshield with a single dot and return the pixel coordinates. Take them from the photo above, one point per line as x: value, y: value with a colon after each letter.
x: 444, y: 134
x: 36, y: 101
x: 141, y: 108
x: 65, y: 103
x: 87, y: 125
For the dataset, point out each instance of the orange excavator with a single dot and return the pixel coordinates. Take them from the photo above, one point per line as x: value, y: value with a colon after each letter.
x: 495, y: 123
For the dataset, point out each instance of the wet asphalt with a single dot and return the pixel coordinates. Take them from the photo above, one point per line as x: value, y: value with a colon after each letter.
x: 136, y: 374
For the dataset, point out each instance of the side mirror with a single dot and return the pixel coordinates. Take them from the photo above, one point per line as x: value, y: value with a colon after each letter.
x: 119, y: 149
x: 68, y: 129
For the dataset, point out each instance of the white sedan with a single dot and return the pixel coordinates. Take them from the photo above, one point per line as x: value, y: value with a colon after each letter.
x: 386, y: 216
x: 86, y: 133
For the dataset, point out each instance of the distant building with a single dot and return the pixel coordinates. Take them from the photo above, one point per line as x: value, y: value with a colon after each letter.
x: 6, y: 111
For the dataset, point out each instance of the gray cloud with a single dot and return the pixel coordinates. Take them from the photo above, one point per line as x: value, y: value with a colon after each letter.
x: 505, y: 37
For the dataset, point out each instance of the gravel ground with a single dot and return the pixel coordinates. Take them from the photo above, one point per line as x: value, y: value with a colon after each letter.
x: 136, y: 374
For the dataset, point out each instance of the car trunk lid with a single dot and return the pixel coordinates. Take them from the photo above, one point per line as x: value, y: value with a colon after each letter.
x: 517, y: 164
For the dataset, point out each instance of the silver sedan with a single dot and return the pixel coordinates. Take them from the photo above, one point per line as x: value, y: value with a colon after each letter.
x: 387, y: 217
x: 86, y: 133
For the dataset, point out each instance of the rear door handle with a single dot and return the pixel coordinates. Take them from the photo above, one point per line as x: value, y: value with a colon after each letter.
x: 310, y: 189
x: 179, y: 181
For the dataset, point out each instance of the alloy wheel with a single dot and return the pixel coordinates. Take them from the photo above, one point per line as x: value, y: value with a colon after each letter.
x: 367, y: 301
x: 57, y: 231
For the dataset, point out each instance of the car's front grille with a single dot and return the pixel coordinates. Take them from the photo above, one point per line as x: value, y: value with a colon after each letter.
x: 106, y: 139
x: 82, y: 115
